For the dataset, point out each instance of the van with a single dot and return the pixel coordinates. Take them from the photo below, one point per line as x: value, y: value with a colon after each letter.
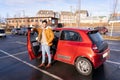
x: 2, y: 32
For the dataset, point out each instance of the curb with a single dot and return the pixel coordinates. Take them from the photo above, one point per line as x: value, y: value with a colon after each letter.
x: 111, y: 37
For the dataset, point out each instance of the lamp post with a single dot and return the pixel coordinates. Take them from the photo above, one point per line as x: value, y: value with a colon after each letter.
x: 79, y: 8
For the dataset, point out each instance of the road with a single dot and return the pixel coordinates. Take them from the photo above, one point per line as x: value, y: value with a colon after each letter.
x: 15, y: 64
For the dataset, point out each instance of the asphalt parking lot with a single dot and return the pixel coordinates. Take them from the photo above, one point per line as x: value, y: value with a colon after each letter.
x: 15, y: 64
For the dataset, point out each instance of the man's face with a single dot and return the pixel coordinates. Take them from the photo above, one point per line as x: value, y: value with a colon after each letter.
x: 44, y: 25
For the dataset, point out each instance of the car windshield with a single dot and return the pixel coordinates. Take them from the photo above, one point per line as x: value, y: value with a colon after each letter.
x: 95, y: 37
x: 2, y: 31
x: 18, y: 29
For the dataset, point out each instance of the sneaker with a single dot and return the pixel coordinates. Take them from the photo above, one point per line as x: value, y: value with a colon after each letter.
x: 48, y: 65
x: 41, y: 65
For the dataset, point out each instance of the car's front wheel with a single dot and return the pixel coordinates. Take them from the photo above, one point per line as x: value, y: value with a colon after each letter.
x: 84, y: 66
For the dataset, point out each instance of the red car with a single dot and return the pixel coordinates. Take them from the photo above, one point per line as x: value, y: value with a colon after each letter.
x: 85, y: 49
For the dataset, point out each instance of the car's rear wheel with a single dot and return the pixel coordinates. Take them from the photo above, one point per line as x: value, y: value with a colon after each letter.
x: 84, y: 66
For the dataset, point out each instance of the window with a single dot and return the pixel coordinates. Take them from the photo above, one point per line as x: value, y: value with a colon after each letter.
x: 28, y: 20
x: 20, y: 21
x: 23, y: 20
x: 36, y: 20
x: 32, y: 20
x: 95, y: 37
x: 70, y: 36
x: 57, y: 33
x: 40, y: 20
x: 13, y: 21
x: 9, y: 21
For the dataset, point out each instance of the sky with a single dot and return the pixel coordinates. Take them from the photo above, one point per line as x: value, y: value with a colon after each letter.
x: 9, y: 8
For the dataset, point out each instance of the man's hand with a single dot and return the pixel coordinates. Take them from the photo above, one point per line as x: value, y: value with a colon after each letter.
x: 37, y: 39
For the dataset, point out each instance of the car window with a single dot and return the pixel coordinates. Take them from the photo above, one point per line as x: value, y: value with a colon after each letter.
x: 95, y: 37
x: 56, y: 33
x: 34, y: 36
x: 70, y: 36
x: 2, y: 31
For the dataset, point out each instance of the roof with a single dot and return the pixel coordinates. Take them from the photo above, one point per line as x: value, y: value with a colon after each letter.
x: 82, y: 11
x: 45, y: 11
x: 76, y: 29
x: 66, y: 13
x: 30, y: 18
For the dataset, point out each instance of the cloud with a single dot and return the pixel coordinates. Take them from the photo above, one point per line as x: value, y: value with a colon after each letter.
x: 21, y: 2
x: 17, y: 2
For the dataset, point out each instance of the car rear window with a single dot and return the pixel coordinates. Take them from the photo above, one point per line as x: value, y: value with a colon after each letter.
x: 95, y: 36
x: 2, y: 31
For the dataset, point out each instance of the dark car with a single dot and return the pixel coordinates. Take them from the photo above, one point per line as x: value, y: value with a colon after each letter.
x: 102, y: 30
x: 85, y: 49
x: 15, y: 31
x: 23, y: 31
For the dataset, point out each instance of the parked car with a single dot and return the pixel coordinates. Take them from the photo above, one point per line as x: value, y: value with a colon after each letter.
x: 15, y: 31
x: 23, y: 31
x: 83, y: 48
x: 102, y: 30
x: 2, y: 32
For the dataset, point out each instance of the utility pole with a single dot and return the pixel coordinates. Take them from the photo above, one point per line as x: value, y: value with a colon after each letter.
x: 113, y: 15
x: 79, y: 8
x: 7, y: 16
x: 71, y: 18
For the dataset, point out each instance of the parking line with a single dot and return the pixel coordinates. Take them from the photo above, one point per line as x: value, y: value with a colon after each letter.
x: 43, y: 71
x: 14, y: 54
x: 19, y: 42
x: 113, y: 62
x: 114, y: 49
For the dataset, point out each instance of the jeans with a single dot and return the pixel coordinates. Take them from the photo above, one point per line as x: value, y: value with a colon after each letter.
x: 46, y: 49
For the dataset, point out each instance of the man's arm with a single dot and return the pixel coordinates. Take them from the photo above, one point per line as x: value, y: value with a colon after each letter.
x: 51, y: 36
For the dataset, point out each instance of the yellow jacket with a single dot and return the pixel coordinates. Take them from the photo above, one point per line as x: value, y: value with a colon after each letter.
x: 48, y: 33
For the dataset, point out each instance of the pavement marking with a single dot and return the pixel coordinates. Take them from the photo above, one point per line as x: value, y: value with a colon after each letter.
x: 114, y: 49
x: 43, y: 71
x: 14, y: 54
x: 19, y: 42
x: 113, y: 43
x: 118, y: 63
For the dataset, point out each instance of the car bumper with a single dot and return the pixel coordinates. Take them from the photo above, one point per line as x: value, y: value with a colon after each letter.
x: 100, y: 58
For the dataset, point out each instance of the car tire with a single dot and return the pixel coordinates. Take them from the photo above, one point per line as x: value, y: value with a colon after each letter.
x: 84, y: 66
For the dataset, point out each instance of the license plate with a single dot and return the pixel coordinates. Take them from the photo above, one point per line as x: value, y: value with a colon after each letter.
x: 105, y: 55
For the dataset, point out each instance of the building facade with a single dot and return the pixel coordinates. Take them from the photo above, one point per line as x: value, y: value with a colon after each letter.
x: 19, y: 22
x: 46, y: 13
x: 67, y: 18
x: 30, y: 21
x: 81, y: 18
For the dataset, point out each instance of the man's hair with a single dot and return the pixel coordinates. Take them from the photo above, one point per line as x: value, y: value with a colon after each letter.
x: 44, y: 21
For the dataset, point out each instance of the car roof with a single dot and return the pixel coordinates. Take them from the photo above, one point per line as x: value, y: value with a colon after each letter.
x: 86, y: 30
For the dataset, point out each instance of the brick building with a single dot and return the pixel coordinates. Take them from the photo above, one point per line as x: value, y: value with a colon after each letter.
x: 48, y: 15
x: 71, y: 19
x: 30, y: 21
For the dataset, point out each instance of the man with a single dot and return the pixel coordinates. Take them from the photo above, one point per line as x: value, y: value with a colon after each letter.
x: 45, y: 37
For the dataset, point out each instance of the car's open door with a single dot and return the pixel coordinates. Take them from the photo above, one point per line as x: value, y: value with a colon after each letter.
x: 33, y: 46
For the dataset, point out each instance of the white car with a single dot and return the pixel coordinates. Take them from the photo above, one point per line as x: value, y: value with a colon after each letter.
x: 2, y: 32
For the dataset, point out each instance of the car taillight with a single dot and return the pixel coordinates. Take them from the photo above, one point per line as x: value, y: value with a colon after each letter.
x: 95, y: 48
